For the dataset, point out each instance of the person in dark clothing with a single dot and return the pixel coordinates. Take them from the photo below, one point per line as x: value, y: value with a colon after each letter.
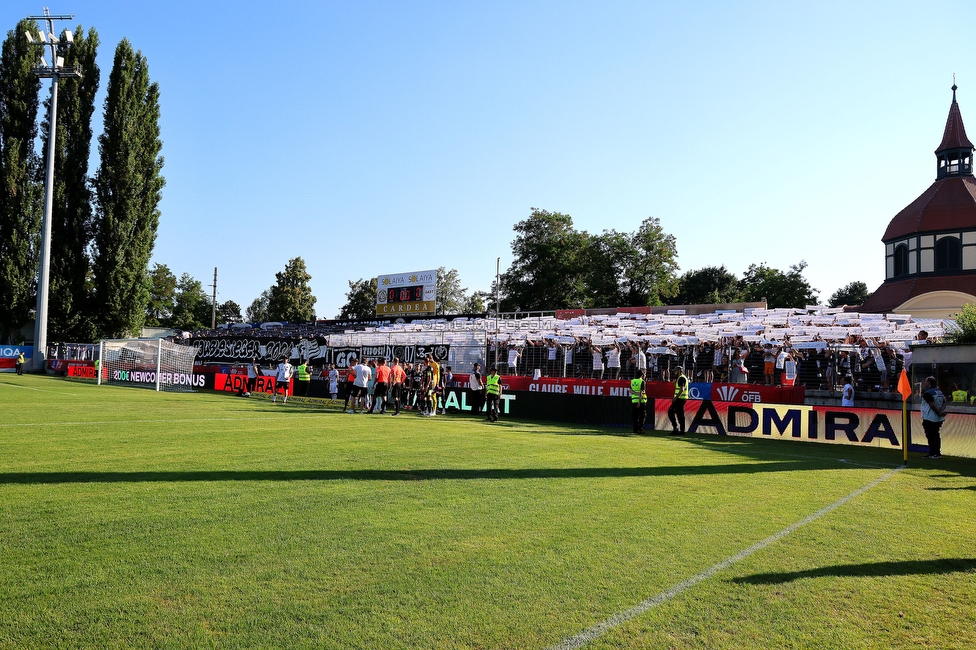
x: 676, y: 413
x: 933, y: 415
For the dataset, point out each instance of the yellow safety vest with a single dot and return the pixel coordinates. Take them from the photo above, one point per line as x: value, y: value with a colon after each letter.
x: 493, y: 385
x: 679, y: 391
x: 637, y: 395
x: 303, y: 373
x: 958, y: 396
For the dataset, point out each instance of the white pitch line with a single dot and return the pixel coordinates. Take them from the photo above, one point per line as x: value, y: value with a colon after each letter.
x: 601, y: 628
x: 40, y: 390
x: 157, y: 421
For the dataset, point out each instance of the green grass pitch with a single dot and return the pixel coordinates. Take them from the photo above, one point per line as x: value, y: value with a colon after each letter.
x: 130, y: 518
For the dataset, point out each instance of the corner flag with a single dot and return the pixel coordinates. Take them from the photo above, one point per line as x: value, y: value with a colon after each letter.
x: 904, y: 386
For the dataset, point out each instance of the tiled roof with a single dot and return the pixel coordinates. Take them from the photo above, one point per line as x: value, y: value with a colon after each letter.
x: 955, y: 132
x: 948, y: 204
x: 892, y: 294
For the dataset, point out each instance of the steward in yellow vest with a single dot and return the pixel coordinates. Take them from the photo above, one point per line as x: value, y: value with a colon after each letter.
x: 493, y: 391
x: 303, y: 379
x: 959, y: 395
x: 638, y: 400
x: 676, y: 413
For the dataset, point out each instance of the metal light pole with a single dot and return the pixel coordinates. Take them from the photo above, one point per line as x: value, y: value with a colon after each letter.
x: 53, y: 72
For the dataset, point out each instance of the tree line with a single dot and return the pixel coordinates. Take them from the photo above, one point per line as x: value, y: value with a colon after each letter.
x: 104, y: 224
x: 556, y: 266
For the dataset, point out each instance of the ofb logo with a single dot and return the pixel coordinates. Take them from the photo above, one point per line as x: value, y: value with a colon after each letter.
x: 727, y: 393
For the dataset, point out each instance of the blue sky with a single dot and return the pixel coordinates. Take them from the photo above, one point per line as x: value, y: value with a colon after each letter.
x: 375, y: 138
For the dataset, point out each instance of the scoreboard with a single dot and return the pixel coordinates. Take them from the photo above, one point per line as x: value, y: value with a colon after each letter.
x: 403, y: 294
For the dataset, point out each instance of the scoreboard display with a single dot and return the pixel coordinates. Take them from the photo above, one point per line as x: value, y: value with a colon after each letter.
x: 406, y: 294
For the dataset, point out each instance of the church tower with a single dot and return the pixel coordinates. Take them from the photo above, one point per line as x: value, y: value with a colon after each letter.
x: 930, y: 246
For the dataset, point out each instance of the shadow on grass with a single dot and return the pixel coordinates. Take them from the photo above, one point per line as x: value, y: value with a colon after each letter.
x: 868, y: 569
x: 53, y: 478
x: 945, y: 489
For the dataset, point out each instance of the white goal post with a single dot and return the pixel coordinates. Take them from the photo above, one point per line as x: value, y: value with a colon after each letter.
x: 148, y: 363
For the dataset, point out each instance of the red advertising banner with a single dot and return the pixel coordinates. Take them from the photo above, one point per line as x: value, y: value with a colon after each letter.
x: 235, y: 383
x: 82, y: 370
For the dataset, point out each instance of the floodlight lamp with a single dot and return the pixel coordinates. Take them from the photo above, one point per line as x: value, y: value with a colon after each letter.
x: 43, y: 62
x: 59, y: 62
x: 68, y: 36
x: 30, y: 39
x: 40, y: 36
x: 52, y: 38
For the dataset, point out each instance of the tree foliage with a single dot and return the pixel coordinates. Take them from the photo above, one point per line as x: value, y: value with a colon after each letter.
x: 257, y: 312
x: 546, y: 273
x: 291, y: 298
x: 779, y: 289
x: 229, y: 312
x: 965, y: 331
x: 708, y: 285
x: 162, y: 296
x: 855, y: 293
x: 192, y: 307
x: 128, y: 187
x: 451, y: 296
x: 360, y: 300
x: 70, y: 313
x: 557, y: 267
x: 651, y: 265
x: 20, y: 192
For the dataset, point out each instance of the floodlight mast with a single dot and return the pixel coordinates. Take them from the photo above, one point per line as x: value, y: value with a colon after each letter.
x: 53, y: 72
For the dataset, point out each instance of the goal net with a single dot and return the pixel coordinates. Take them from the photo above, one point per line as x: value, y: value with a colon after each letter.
x: 148, y: 363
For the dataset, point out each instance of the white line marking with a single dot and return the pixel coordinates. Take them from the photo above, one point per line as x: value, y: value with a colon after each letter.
x: 61, y: 424
x: 601, y: 628
x: 40, y: 390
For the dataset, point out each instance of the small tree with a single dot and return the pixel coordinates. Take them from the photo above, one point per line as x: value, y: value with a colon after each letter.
x: 966, y: 324
x: 291, y: 297
x: 258, y: 311
x: 360, y: 300
x: 229, y: 312
x: 855, y: 293
x: 708, y: 285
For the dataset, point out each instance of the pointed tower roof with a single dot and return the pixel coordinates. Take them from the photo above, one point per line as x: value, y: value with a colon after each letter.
x: 955, y: 132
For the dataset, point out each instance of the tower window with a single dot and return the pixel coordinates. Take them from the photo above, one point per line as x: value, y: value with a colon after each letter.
x: 901, y: 259
x: 948, y: 254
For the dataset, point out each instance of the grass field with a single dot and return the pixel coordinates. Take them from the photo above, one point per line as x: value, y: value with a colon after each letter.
x: 135, y: 519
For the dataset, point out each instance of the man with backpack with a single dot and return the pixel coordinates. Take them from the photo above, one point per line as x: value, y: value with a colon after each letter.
x: 933, y: 415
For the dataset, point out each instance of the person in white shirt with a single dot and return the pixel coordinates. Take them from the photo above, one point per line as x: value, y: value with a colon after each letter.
x: 613, y: 361
x: 363, y: 374
x: 551, y: 368
x: 597, y: 362
x: 282, y: 380
x: 847, y: 395
x: 514, y: 354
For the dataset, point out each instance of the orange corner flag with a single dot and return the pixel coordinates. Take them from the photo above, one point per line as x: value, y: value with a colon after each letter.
x: 904, y: 386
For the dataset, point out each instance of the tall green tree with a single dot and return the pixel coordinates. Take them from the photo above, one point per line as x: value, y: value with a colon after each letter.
x: 855, y: 293
x: 291, y: 296
x: 546, y: 270
x: 128, y: 187
x: 192, y: 308
x: 21, y: 192
x: 652, y: 265
x: 257, y: 312
x: 360, y: 300
x: 779, y: 289
x: 70, y: 313
x: 162, y: 296
x: 708, y: 285
x: 451, y: 296
x: 605, y: 271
